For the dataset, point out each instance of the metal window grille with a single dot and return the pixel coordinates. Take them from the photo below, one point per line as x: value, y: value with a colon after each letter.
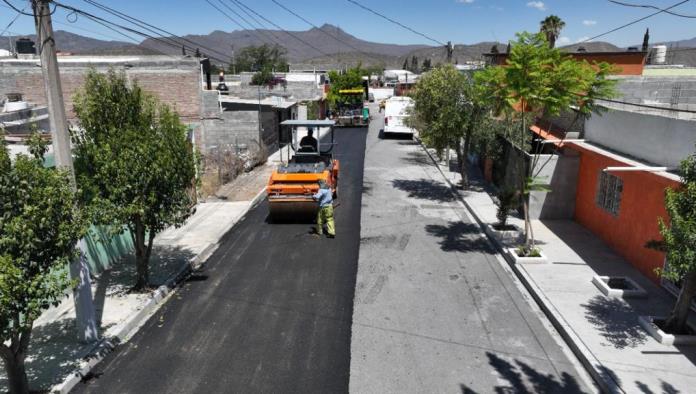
x: 609, y: 192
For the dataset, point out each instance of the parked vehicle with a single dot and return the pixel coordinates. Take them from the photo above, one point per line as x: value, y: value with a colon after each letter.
x: 395, y: 114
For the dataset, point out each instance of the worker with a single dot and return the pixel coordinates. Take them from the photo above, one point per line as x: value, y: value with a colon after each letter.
x: 325, y: 214
x: 308, y: 142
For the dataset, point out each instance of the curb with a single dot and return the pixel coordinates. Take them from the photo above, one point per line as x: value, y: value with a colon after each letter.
x: 584, y: 355
x: 122, y: 333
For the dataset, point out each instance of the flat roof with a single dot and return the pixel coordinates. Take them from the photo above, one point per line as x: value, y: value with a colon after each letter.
x: 308, y: 123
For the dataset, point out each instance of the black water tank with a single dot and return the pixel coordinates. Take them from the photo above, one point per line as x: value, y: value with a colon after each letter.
x: 25, y: 46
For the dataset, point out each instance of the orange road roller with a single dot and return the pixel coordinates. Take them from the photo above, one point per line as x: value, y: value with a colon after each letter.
x: 308, y: 160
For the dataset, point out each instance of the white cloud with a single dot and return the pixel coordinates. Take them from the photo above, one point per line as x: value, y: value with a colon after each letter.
x: 581, y: 39
x: 588, y: 22
x: 539, y: 5
x: 563, y: 40
x: 465, y: 1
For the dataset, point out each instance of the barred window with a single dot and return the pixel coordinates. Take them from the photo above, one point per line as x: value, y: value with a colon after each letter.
x: 609, y: 192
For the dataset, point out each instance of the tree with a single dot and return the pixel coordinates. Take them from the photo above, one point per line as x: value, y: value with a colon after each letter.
x: 350, y: 79
x: 679, y: 243
x: 448, y: 110
x: 40, y: 226
x: 405, y: 65
x: 540, y: 81
x: 551, y: 27
x: 414, y: 65
x: 427, y: 65
x: 134, y: 164
x: 262, y: 57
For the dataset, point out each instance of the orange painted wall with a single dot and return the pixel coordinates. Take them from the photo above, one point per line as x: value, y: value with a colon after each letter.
x: 642, y: 203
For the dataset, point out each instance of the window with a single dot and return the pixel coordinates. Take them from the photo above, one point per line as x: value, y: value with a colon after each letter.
x: 609, y: 192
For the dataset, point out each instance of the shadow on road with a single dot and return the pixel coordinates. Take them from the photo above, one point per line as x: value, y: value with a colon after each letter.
x: 522, y: 378
x: 425, y: 189
x: 459, y: 237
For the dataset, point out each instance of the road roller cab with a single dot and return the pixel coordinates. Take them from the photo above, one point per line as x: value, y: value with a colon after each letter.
x: 292, y: 184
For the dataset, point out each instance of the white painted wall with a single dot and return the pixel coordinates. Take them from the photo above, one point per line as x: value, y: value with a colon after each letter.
x: 382, y: 93
x: 659, y: 140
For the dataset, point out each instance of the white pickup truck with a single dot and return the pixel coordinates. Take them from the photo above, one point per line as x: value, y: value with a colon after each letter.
x: 395, y: 114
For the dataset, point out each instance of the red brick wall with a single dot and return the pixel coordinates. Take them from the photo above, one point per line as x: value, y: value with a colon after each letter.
x: 178, y: 87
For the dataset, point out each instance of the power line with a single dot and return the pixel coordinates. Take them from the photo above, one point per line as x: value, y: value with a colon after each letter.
x: 322, y: 30
x: 651, y: 6
x: 151, y: 28
x: 632, y: 22
x: 649, y: 106
x: 254, y: 29
x: 119, y: 26
x: 17, y: 9
x: 283, y: 30
x: 234, y: 20
x: 397, y: 23
x: 266, y: 30
x: 12, y: 22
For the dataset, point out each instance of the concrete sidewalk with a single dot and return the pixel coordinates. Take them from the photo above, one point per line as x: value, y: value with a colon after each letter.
x: 604, y: 332
x: 57, y: 361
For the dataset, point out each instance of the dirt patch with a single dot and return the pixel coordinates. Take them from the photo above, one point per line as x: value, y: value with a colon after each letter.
x: 245, y: 186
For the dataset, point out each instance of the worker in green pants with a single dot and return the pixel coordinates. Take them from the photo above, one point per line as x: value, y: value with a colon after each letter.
x: 325, y: 214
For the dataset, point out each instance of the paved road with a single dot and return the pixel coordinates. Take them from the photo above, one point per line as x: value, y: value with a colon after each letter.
x: 435, y: 311
x: 270, y: 312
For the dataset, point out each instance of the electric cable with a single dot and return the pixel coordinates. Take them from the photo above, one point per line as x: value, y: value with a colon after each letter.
x: 651, y: 6
x: 325, y: 32
x: 632, y: 22
x: 398, y: 23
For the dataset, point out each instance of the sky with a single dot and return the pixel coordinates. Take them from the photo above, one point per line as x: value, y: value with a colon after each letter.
x: 459, y: 21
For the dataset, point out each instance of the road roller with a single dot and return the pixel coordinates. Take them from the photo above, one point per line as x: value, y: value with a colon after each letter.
x: 308, y: 159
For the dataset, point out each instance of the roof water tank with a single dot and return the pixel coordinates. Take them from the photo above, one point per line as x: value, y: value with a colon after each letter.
x: 25, y: 46
x: 659, y: 54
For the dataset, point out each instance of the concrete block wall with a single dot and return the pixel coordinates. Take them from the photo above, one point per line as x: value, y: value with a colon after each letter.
x: 560, y: 173
x: 175, y: 82
x: 660, y: 89
x: 660, y: 140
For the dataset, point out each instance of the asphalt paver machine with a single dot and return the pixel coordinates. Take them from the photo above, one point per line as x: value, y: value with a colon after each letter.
x: 292, y: 184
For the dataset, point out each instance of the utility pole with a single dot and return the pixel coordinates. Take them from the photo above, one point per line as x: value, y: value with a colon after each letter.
x: 84, y: 305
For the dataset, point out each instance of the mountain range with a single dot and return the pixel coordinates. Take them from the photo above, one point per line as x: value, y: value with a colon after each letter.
x: 327, y: 44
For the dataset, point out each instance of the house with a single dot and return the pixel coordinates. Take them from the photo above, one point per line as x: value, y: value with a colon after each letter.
x: 611, y: 171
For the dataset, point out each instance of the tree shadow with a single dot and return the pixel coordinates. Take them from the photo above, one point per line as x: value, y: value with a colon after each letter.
x: 417, y: 158
x: 54, y: 350
x: 616, y: 321
x: 523, y: 378
x: 665, y: 388
x: 425, y: 189
x: 460, y: 237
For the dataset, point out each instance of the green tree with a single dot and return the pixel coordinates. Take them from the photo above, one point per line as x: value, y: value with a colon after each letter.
x: 427, y: 65
x: 350, y: 79
x: 551, y: 27
x: 262, y: 57
x: 40, y: 226
x: 448, y: 110
x: 405, y: 65
x: 414, y: 65
x: 540, y: 81
x: 679, y: 242
x: 133, y: 161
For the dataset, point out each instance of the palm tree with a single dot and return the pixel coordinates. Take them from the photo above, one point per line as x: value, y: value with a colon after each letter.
x: 551, y: 27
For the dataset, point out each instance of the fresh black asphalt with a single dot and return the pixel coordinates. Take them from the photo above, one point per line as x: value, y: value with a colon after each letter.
x: 269, y: 312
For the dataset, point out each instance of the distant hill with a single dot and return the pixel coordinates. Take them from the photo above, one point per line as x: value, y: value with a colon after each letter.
x: 346, y: 51
x: 592, y: 46
x: 71, y: 42
x: 294, y: 43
